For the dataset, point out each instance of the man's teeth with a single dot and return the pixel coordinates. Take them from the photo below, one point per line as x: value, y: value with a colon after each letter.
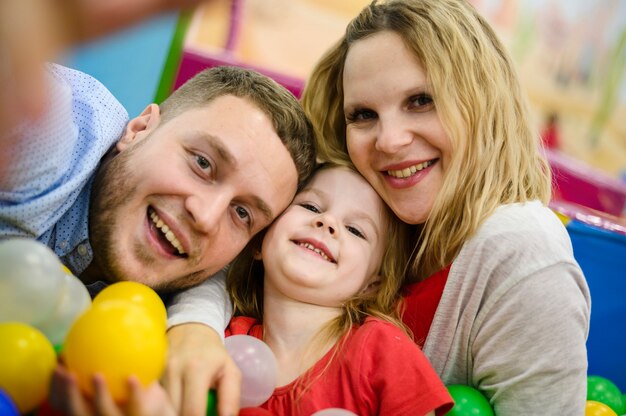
x: 317, y: 250
x: 411, y: 170
x: 169, y: 235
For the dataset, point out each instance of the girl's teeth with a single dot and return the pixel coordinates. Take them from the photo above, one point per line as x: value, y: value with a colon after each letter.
x: 316, y: 250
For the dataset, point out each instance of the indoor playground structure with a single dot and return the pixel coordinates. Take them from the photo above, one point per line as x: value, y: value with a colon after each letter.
x: 568, y: 66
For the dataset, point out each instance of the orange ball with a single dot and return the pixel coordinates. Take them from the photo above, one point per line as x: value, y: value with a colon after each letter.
x: 117, y: 339
x: 138, y: 294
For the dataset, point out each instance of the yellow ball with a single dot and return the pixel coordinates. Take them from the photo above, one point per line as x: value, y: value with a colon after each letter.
x: 115, y: 338
x: 138, y: 294
x: 27, y: 360
x: 594, y: 408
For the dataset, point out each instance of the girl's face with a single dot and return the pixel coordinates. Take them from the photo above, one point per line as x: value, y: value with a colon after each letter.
x: 328, y: 245
x: 394, y: 135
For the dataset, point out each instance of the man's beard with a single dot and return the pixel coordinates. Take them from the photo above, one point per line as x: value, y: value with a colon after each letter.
x: 113, y: 183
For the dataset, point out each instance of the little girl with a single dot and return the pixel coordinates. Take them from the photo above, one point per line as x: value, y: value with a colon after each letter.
x: 321, y: 290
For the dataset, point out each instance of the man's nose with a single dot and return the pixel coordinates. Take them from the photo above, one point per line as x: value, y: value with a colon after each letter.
x: 207, y: 210
x: 393, y: 134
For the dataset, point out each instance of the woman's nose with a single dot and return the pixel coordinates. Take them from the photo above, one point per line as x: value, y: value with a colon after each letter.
x: 393, y: 134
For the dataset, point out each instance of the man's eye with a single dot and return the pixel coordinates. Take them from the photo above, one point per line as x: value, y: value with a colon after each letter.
x: 243, y: 214
x: 355, y: 231
x: 203, y: 162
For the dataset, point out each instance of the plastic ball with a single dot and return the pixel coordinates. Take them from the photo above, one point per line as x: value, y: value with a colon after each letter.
x: 334, y: 411
x: 594, y: 408
x: 27, y: 360
x: 468, y: 402
x: 258, y: 367
x: 30, y: 280
x: 7, y: 407
x: 116, y: 339
x: 600, y: 389
x: 72, y: 301
x: 137, y: 293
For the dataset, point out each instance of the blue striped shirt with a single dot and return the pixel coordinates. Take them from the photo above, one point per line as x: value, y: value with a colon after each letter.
x: 45, y: 191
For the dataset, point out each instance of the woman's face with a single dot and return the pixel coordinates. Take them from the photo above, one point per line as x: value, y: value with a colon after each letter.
x: 394, y: 135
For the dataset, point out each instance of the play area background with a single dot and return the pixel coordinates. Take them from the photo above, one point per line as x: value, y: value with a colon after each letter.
x: 571, y: 56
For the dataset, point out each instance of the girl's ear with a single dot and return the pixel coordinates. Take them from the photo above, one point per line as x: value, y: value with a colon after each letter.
x: 372, y: 285
x: 139, y: 127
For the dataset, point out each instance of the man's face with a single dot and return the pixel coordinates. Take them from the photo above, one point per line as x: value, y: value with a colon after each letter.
x: 182, y: 200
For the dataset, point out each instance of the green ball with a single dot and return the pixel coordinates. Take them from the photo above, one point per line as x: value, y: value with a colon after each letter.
x: 603, y: 390
x: 468, y: 402
x: 211, y: 405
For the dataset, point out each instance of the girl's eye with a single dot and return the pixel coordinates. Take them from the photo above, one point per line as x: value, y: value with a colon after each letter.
x: 360, y: 114
x: 355, y: 231
x: 422, y: 102
x: 203, y: 162
x: 243, y: 214
x: 310, y: 207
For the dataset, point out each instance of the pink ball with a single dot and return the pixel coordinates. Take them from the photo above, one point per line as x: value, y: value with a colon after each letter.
x: 258, y: 368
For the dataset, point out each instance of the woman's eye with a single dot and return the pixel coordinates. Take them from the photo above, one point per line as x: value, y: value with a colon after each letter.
x: 310, y: 207
x: 355, y: 231
x: 360, y: 115
x: 243, y: 214
x: 422, y: 102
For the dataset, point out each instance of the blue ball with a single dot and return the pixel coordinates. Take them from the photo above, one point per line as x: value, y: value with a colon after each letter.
x: 7, y: 407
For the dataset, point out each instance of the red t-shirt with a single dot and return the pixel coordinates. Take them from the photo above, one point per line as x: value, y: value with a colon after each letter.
x: 420, y: 303
x: 378, y: 371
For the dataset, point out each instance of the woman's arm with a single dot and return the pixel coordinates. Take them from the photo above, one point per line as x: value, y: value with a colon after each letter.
x: 529, y: 353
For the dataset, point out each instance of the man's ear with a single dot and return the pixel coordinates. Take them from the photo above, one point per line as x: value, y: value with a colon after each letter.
x: 140, y: 126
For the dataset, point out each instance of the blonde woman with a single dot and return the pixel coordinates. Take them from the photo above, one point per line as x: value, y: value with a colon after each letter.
x: 422, y: 97
x: 321, y: 291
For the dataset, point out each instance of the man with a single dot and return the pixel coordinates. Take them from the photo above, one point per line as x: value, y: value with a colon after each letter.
x: 168, y: 198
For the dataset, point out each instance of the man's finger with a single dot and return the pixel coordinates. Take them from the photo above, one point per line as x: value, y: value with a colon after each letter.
x: 229, y: 390
x: 196, y: 385
x: 172, y: 383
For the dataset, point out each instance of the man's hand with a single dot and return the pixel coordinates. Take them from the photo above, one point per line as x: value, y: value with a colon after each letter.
x: 197, y: 362
x: 66, y: 397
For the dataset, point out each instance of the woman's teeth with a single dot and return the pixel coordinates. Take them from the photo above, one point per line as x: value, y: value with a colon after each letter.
x: 410, y: 171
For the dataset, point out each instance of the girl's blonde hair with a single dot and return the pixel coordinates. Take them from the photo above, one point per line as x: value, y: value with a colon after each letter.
x: 496, y: 154
x: 245, y: 279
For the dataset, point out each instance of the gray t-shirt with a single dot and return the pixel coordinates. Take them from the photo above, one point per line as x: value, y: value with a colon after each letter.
x: 514, y: 316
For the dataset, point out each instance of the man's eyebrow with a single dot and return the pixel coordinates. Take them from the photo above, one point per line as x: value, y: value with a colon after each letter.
x: 263, y: 207
x: 222, y: 151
